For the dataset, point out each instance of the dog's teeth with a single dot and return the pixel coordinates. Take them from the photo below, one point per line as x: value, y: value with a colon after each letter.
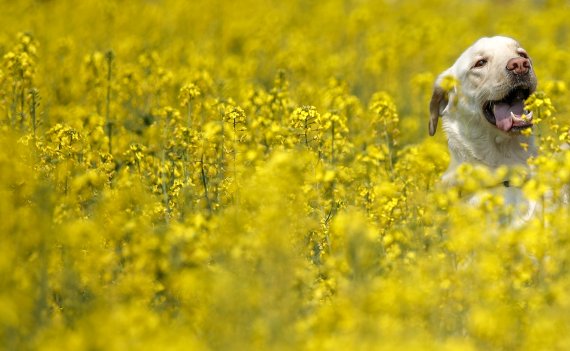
x: 527, y: 117
x: 524, y: 118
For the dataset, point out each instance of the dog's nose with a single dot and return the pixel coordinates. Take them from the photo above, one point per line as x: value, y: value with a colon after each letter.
x: 519, y: 65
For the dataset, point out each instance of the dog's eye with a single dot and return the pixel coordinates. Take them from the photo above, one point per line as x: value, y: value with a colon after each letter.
x: 523, y: 54
x: 480, y: 63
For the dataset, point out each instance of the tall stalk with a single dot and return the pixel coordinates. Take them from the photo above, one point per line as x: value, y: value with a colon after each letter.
x: 34, y: 97
x: 109, y: 55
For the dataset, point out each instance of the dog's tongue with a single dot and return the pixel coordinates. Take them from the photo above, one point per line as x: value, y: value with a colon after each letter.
x: 502, y: 111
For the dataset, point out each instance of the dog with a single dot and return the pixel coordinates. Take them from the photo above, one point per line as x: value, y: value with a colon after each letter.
x: 482, y: 111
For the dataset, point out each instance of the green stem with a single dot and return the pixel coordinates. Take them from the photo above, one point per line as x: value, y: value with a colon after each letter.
x: 205, y: 185
x: 109, y: 56
x: 332, y: 144
x: 33, y: 105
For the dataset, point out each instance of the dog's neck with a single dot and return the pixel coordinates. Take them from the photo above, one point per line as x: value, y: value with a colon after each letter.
x: 484, y: 145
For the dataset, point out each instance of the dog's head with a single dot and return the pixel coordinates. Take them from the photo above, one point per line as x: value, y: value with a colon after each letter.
x: 493, y: 78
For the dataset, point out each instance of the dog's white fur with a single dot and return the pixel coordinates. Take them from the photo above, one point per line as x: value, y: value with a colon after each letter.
x: 471, y: 137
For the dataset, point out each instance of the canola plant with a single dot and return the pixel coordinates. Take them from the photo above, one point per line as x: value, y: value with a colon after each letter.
x: 257, y: 175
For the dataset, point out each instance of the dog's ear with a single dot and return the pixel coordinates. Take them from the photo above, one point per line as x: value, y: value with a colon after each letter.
x: 439, y: 99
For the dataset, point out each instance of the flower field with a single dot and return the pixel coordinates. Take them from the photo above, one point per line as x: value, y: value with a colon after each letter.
x: 258, y: 175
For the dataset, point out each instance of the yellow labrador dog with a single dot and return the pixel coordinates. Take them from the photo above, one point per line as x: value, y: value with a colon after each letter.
x: 483, y: 115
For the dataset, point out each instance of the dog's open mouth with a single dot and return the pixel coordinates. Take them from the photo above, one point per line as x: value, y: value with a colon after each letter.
x: 508, y: 114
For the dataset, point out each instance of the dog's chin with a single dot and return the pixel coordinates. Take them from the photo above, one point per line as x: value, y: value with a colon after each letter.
x: 508, y: 114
